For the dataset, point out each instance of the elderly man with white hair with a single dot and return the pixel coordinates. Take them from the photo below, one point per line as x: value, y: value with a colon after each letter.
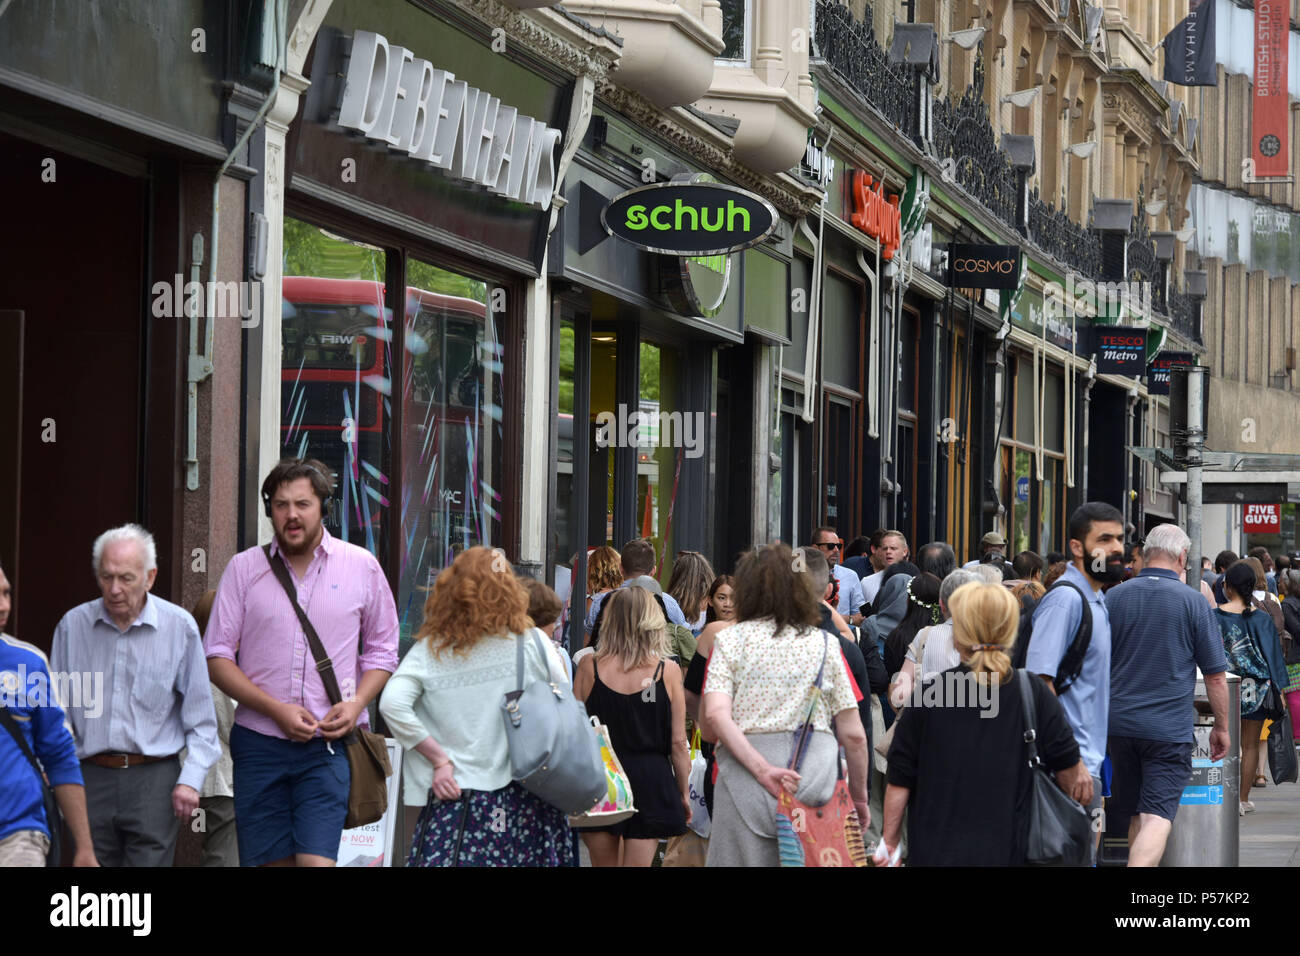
x: 147, y: 655
x: 1161, y: 632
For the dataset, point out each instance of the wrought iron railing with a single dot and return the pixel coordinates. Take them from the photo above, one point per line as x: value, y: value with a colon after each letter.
x: 967, y: 145
x: 1053, y: 231
x: 1143, y: 266
x: 850, y: 48
x: 1184, y: 316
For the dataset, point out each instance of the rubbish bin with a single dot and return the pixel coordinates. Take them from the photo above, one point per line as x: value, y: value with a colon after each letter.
x: 1206, y: 829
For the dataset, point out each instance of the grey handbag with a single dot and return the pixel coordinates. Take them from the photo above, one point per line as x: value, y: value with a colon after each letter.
x: 554, y: 752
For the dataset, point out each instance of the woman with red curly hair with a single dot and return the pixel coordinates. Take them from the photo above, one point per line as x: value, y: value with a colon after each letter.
x: 443, y: 704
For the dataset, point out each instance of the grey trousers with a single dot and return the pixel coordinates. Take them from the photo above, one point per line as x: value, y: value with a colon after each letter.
x: 130, y: 811
x: 220, y: 846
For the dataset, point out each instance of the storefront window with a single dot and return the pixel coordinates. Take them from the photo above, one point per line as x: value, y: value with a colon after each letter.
x: 667, y: 429
x: 453, y: 432
x: 564, y: 530
x: 335, y: 373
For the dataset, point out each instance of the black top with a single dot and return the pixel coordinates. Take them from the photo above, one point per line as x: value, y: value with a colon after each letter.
x: 857, y: 667
x: 967, y: 767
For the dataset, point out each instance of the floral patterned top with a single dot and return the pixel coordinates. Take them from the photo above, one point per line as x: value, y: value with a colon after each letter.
x: 769, y: 676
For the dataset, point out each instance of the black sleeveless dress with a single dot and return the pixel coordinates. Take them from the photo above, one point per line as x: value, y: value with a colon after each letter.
x: 640, y: 728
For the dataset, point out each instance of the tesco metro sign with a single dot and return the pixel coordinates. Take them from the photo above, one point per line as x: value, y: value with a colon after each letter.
x: 1262, y: 519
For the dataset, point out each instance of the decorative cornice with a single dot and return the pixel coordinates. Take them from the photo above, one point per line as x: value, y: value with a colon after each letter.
x: 574, y: 47
x: 708, y: 146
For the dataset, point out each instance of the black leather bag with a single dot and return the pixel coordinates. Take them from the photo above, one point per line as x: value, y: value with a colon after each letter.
x: 1282, y: 761
x: 1059, y: 831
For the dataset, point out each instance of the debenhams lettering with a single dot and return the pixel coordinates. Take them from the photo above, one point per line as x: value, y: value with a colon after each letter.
x: 391, y: 96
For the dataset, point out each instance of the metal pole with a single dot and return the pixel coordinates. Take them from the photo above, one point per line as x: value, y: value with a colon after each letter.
x: 1195, y: 447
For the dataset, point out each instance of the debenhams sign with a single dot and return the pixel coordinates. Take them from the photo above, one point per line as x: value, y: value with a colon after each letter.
x: 391, y: 96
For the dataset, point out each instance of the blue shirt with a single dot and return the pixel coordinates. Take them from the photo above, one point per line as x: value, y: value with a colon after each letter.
x: 851, y: 596
x: 147, y: 689
x: 674, y: 609
x: 1160, y: 632
x: 32, y: 699
x: 1056, y: 619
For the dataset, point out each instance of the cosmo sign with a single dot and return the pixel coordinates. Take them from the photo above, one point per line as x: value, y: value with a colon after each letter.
x: 391, y: 96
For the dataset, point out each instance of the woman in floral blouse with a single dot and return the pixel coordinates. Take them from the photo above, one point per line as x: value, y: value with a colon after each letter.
x: 757, y: 693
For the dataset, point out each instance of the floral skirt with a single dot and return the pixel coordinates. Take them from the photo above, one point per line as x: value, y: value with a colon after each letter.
x: 506, y: 827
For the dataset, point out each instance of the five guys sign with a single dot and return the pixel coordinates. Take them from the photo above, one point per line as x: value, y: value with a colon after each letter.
x: 1262, y: 519
x: 1121, y: 351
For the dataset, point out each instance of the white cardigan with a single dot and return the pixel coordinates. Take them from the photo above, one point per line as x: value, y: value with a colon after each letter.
x: 455, y: 698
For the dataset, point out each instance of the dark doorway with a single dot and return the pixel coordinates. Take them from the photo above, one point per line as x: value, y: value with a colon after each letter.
x: 73, y: 265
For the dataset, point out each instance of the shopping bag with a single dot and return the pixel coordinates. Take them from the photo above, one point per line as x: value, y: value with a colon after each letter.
x: 700, y: 822
x: 616, y: 804
x: 1282, y: 761
x: 689, y: 849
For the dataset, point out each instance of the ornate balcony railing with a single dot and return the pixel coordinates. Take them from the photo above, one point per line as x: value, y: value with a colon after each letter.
x: 1184, y: 316
x: 1143, y: 266
x: 849, y: 46
x: 964, y: 135
x: 1060, y: 236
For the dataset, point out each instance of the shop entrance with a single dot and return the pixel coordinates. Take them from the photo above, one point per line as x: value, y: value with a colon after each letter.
x: 73, y: 343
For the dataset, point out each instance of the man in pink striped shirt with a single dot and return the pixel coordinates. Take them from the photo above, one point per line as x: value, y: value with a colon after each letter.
x: 290, y: 779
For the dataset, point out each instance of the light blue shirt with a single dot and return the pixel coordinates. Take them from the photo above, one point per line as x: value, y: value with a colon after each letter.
x: 674, y: 609
x: 145, y: 689
x: 851, y: 596
x: 1087, y: 701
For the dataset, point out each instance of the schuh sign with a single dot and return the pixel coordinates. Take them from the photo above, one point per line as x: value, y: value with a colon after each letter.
x: 689, y: 219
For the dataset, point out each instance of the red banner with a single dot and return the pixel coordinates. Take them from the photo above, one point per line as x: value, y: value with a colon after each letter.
x: 1262, y: 519
x: 1270, y: 132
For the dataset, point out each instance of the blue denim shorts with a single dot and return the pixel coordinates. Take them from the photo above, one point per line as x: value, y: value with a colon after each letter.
x: 290, y: 797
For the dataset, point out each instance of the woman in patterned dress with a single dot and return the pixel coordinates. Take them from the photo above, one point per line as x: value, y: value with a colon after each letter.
x: 444, y: 705
x: 760, y: 682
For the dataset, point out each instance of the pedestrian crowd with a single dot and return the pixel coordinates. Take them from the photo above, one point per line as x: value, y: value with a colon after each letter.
x: 887, y: 686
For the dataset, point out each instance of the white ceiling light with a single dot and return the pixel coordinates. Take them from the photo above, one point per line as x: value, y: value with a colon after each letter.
x: 1156, y: 206
x: 1082, y: 150
x: 1185, y: 235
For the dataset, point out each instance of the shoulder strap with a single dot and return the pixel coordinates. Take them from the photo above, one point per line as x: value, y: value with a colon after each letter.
x: 1030, y: 715
x: 324, y: 665
x: 803, y: 736
x: 11, y: 725
x: 1078, y: 647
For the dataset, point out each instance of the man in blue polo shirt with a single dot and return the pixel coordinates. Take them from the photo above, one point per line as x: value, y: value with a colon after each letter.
x: 1161, y: 631
x: 1096, y: 549
x: 28, y: 699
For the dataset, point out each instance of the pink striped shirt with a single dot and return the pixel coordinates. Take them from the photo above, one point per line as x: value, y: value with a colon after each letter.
x: 344, y: 594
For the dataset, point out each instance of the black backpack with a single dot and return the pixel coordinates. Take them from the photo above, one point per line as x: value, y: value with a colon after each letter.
x: 1072, y: 663
x: 675, y: 636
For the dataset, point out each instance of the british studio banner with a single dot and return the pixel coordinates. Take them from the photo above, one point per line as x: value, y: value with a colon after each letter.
x: 1189, y: 47
x: 1268, y: 126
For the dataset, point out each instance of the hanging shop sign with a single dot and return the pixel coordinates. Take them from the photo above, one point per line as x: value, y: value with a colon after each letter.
x: 394, y: 98
x: 1120, y: 351
x: 876, y: 215
x: 983, y: 266
x: 1262, y: 519
x: 1158, y: 372
x: 689, y: 218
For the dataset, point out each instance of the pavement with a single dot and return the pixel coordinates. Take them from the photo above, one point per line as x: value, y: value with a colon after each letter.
x: 1271, y: 835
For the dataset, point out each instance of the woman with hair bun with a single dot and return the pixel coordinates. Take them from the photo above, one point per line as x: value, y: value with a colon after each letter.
x: 958, y: 763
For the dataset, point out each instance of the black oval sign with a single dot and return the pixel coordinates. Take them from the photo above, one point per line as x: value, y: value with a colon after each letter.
x: 689, y: 219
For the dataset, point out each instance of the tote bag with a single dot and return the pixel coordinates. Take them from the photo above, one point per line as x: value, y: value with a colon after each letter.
x: 615, y: 805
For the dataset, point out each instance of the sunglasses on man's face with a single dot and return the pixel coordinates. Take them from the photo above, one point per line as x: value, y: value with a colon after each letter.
x: 830, y: 545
